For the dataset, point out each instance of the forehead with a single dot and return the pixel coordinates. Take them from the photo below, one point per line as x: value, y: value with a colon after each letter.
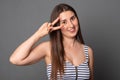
x: 66, y: 15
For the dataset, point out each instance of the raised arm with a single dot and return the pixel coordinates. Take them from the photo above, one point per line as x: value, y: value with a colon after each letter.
x: 25, y: 54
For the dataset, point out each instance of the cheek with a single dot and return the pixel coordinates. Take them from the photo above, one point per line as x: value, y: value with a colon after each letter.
x: 76, y: 22
x: 63, y: 28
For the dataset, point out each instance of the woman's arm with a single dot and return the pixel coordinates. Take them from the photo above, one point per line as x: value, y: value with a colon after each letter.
x: 25, y: 54
x: 91, y: 63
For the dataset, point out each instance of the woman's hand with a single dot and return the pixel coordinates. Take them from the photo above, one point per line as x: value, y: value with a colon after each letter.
x: 48, y: 27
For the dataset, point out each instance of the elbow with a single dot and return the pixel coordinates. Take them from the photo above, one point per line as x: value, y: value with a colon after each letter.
x: 15, y: 61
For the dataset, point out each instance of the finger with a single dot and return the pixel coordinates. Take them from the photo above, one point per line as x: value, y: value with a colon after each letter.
x: 55, y: 21
x: 50, y: 24
x: 49, y: 29
x: 56, y: 28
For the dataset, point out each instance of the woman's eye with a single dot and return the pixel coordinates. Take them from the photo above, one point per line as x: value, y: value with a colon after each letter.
x: 72, y: 18
x: 64, y: 22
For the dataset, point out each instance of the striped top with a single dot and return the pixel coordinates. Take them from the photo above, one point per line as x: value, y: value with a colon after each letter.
x: 72, y: 72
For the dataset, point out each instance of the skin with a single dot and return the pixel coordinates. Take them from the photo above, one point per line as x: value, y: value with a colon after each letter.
x: 26, y: 54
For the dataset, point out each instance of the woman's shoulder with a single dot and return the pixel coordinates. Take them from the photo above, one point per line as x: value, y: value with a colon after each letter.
x: 44, y: 47
x: 45, y: 44
x: 90, y: 50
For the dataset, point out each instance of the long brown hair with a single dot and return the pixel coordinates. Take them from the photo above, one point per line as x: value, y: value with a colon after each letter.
x: 57, y: 48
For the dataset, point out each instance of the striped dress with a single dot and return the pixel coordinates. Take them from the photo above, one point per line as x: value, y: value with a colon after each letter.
x: 72, y: 72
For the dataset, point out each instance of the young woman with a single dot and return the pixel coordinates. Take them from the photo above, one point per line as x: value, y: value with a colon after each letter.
x: 66, y: 55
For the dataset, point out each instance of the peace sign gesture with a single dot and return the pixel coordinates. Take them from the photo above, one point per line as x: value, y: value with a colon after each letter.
x: 48, y: 27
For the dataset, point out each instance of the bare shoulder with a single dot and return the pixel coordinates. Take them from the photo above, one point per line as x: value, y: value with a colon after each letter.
x: 44, y: 45
x: 90, y: 54
x: 90, y: 51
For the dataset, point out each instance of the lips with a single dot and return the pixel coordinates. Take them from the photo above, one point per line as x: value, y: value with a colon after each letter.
x: 72, y: 30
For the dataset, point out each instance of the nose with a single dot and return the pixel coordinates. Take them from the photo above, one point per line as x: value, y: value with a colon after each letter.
x: 71, y: 24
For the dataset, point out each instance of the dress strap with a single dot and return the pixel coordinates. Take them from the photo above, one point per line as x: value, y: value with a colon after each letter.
x: 86, y: 52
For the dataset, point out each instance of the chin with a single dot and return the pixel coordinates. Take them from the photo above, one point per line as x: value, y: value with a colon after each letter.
x: 72, y: 35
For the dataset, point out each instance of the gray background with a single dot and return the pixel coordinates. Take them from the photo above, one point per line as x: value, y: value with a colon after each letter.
x: 100, y: 24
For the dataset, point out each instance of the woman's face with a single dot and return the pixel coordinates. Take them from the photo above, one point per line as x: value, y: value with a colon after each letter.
x: 70, y: 24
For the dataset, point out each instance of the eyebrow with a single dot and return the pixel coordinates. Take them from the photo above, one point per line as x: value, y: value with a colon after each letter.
x: 70, y: 18
x: 63, y: 20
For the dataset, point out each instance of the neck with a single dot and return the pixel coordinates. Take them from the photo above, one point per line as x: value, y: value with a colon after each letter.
x: 69, y: 42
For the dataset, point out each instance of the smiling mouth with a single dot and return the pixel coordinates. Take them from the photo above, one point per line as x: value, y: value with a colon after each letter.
x: 72, y: 30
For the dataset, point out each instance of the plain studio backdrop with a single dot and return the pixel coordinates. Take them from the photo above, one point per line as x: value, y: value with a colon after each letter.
x: 100, y: 25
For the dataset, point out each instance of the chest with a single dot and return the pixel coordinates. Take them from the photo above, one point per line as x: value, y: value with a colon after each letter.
x: 75, y: 55
x: 81, y: 71
x: 70, y: 71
